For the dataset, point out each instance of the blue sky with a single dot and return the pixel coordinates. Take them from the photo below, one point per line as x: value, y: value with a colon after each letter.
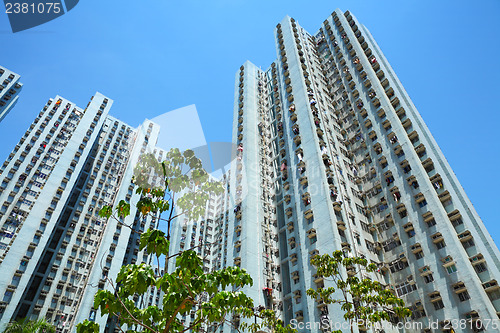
x: 156, y: 56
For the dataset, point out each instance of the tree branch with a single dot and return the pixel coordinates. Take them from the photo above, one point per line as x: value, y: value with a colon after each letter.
x: 126, y: 309
x: 171, y: 319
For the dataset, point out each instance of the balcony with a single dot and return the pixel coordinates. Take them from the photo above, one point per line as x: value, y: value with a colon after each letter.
x: 286, y: 186
x: 398, y: 150
x: 401, y: 113
x: 381, y: 113
x: 308, y: 214
x: 437, y: 237
x: 428, y: 165
x: 408, y: 227
x: 407, y: 124
x: 401, y: 208
x: 416, y: 248
x: 454, y: 215
x: 465, y: 236
x: 387, y: 125
x: 425, y: 271
x: 289, y: 211
x: 237, y: 260
x: 491, y: 286
x: 337, y: 206
x: 435, y: 296
x: 290, y: 226
x: 447, y: 261
x: 287, y: 198
x: 383, y: 161
x: 477, y: 259
x: 413, y: 136
x: 444, y: 197
x: 420, y: 150
x: 428, y: 217
x: 311, y: 233
x: 341, y: 225
x: 345, y: 246
x: 293, y: 257
x: 459, y: 287
x: 405, y: 165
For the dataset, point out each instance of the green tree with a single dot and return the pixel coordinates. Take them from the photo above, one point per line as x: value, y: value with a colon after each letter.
x: 183, y: 188
x: 30, y: 326
x: 363, y: 300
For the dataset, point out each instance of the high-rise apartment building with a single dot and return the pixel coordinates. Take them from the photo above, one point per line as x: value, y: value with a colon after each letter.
x: 333, y: 155
x: 9, y: 90
x: 55, y: 251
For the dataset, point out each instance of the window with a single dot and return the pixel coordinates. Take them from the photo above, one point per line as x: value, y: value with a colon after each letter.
x: 405, y: 288
x: 480, y: 267
x: 431, y: 223
x: 451, y: 269
x: 457, y: 222
x: 428, y: 278
x: 398, y: 265
x: 422, y: 203
x: 463, y: 296
x: 447, y: 203
x: 358, y: 240
x: 391, y: 244
x: 419, y: 255
x: 468, y: 243
x: 417, y: 313
x: 410, y: 233
x: 494, y: 295
x: 440, y: 244
x: 438, y: 305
